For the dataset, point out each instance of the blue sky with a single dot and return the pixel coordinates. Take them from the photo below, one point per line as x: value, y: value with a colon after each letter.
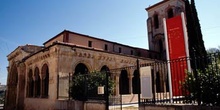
x: 35, y: 21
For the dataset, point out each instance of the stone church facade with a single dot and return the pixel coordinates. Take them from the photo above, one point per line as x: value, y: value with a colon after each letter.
x: 35, y: 73
x: 33, y: 70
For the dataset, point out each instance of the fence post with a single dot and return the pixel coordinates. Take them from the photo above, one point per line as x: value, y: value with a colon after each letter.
x: 107, y: 91
x: 139, y: 87
x: 153, y: 87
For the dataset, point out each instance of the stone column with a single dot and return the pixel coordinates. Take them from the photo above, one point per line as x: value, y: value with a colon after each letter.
x: 117, y: 75
x: 42, y: 95
x: 130, y: 83
x: 21, y: 86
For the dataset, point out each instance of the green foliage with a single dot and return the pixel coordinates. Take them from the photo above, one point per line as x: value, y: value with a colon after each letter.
x: 195, y: 38
x: 84, y: 86
x: 204, y: 86
x: 2, y: 97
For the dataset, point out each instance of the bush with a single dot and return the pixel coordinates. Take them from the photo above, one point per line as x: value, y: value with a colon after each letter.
x: 86, y: 85
x: 204, y: 85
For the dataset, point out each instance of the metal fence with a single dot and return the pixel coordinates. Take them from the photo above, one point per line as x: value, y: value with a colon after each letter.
x: 198, y: 86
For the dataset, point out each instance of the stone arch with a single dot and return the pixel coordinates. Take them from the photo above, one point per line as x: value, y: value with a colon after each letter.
x: 104, y: 64
x: 170, y: 9
x: 83, y: 62
x: 124, y: 82
x: 105, y: 69
x: 159, y: 42
x: 37, y: 82
x: 45, y: 80
x: 170, y: 13
x: 30, y: 84
x: 81, y: 68
x: 135, y: 82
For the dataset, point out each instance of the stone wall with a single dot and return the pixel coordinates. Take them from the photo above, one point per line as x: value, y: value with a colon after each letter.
x: 94, y: 105
x: 177, y: 107
x: 60, y: 60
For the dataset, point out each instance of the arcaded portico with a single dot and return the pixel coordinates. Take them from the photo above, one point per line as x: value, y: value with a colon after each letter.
x: 37, y: 74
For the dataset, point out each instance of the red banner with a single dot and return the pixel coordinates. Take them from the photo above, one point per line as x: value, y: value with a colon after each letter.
x: 177, y: 53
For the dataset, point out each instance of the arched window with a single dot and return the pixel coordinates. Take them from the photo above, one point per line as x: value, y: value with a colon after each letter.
x: 124, y: 82
x: 30, y: 84
x: 105, y: 69
x: 37, y: 82
x: 170, y: 13
x: 81, y: 69
x: 82, y: 93
x: 45, y: 80
x: 156, y: 21
x: 135, y: 82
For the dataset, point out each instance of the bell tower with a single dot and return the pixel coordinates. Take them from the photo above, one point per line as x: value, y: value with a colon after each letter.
x: 156, y: 13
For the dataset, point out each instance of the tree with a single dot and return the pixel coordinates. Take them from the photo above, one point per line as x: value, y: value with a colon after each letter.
x: 84, y: 86
x: 195, y: 39
x: 201, y: 46
x: 205, y: 84
x: 209, y: 82
x: 213, y: 50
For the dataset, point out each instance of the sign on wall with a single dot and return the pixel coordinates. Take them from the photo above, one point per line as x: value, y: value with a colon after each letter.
x: 146, y: 83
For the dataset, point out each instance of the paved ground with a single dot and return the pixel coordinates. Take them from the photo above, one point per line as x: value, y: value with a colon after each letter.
x: 124, y: 107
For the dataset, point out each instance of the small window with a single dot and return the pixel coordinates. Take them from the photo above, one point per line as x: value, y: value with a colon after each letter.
x: 106, y: 47
x: 170, y: 13
x: 156, y: 21
x: 90, y: 44
x: 119, y: 49
x: 132, y: 52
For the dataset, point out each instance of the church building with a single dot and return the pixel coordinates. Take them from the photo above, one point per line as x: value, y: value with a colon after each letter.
x: 36, y: 74
x: 164, y: 9
x: 33, y: 70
